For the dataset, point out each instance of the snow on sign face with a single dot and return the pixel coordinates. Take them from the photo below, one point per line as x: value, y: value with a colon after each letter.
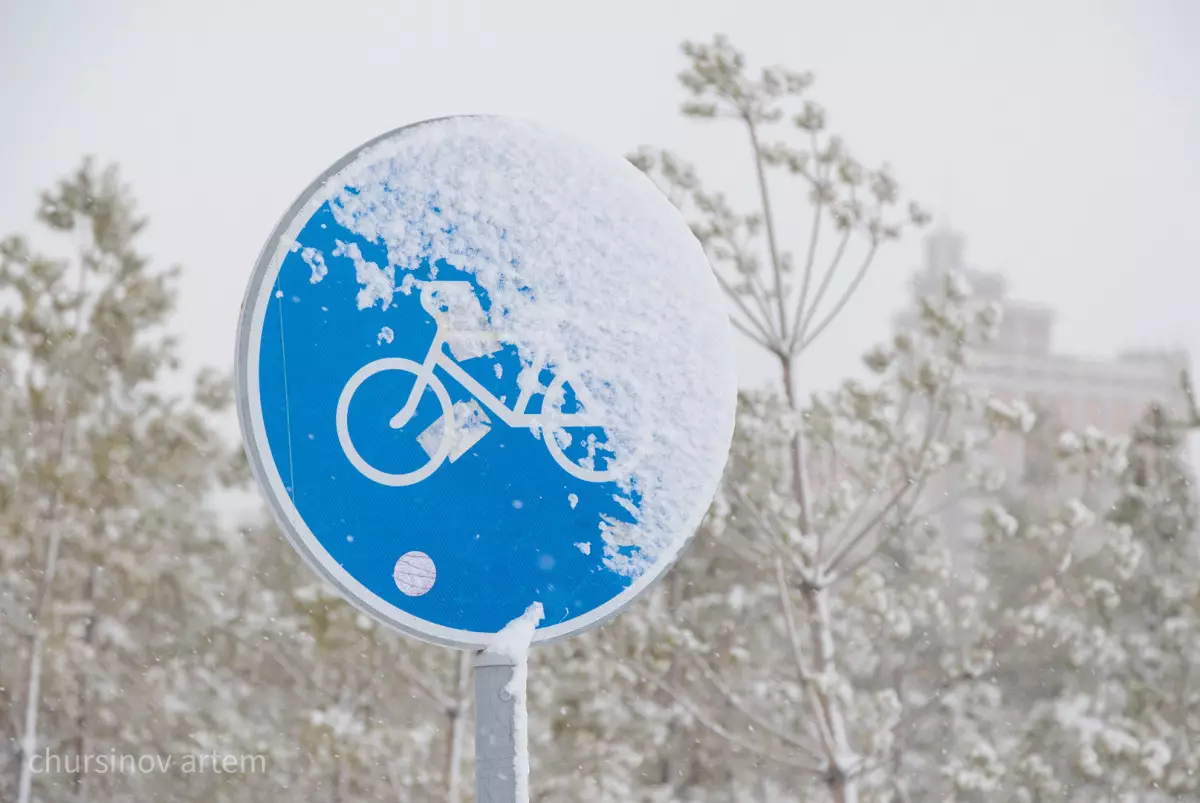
x: 480, y: 345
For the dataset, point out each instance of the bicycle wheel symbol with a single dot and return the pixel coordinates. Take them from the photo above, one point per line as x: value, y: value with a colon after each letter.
x: 438, y: 455
x: 552, y: 424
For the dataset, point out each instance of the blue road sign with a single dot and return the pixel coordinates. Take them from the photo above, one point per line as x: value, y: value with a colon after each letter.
x: 479, y: 366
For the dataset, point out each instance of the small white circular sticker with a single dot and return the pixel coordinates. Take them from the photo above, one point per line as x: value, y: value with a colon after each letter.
x: 414, y: 573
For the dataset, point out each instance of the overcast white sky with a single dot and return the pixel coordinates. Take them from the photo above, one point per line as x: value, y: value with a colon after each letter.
x: 1063, y: 137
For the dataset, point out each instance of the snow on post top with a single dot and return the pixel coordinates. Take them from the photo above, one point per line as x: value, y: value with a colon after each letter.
x: 512, y: 643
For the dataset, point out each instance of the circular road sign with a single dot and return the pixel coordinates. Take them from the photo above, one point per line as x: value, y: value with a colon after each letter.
x: 481, y: 365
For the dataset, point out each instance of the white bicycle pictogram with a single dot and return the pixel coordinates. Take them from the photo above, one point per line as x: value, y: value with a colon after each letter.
x: 545, y: 424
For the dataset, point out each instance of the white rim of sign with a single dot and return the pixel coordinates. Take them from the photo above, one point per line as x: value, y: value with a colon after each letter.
x: 254, y: 436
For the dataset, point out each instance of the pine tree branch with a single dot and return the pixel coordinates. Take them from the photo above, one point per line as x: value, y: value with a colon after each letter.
x: 761, y: 296
x: 806, y: 674
x: 1192, y: 420
x: 753, y: 287
x: 762, y: 328
x: 914, y: 715
x: 805, y: 316
x: 849, y: 571
x: 847, y: 545
x: 708, y: 722
x: 810, y: 257
x: 913, y: 482
x: 807, y: 340
x: 746, y: 331
x: 774, y: 534
x: 435, y: 696
x: 769, y: 222
x: 739, y: 546
x: 787, y: 736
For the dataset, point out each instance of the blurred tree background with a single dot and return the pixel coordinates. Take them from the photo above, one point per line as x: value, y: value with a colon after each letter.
x: 831, y: 635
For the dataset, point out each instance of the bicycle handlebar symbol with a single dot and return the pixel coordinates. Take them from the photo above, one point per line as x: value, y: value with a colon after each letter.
x: 546, y: 423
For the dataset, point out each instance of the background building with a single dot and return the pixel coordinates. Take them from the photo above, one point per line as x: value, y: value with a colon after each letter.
x: 1108, y: 393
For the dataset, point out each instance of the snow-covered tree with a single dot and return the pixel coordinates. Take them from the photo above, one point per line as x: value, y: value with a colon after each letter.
x: 808, y: 543
x: 136, y: 616
x: 103, y: 474
x: 1113, y: 634
x: 845, y: 628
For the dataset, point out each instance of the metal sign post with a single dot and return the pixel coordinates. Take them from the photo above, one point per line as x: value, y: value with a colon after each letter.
x: 480, y: 368
x: 496, y: 734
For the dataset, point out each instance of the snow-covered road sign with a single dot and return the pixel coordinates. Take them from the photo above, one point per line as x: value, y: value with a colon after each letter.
x: 479, y: 366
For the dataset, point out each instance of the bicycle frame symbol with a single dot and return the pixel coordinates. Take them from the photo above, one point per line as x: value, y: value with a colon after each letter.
x: 544, y: 423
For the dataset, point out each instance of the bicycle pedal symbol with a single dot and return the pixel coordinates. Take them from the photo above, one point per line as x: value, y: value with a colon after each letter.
x: 450, y: 304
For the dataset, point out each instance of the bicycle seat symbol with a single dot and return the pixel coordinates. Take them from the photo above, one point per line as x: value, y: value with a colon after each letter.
x: 462, y: 325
